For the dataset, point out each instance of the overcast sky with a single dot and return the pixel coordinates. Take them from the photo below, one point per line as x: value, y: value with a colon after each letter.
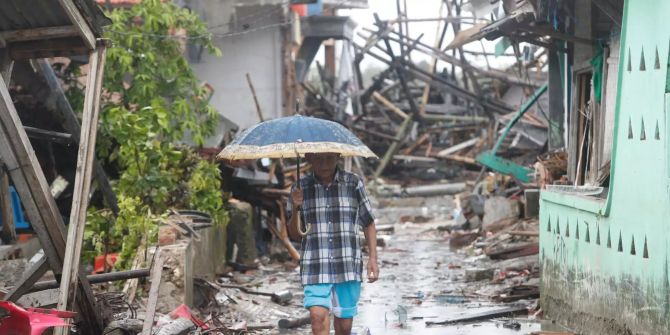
x: 419, y: 9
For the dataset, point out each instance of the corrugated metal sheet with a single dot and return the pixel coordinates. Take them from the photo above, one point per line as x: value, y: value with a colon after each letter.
x: 27, y: 14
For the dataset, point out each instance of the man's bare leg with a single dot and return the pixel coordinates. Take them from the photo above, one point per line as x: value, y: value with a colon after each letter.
x: 343, y: 326
x: 320, y: 320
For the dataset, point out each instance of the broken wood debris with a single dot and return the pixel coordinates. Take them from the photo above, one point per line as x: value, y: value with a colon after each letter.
x: 497, y: 313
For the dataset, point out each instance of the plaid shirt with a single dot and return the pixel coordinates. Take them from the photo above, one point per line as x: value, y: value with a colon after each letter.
x: 331, y: 251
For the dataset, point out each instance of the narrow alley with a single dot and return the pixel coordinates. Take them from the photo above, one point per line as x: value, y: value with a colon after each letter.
x: 228, y: 167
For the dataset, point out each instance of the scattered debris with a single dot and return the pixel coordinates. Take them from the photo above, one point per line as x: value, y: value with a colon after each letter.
x: 294, y: 323
x: 512, y: 324
x: 498, y: 313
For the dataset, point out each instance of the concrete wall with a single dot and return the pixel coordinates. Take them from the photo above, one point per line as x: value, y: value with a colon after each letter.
x: 249, y: 35
x: 257, y: 53
x: 605, y: 261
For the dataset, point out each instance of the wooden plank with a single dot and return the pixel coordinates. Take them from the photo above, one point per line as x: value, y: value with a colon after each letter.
x: 253, y: 92
x: 29, y: 279
x: 430, y: 51
x: 6, y: 64
x: 525, y: 233
x: 456, y: 118
x: 458, y: 147
x: 415, y: 158
x: 433, y: 62
x: 38, y: 33
x: 461, y: 159
x: 39, y: 204
x: 156, y: 273
x: 29, y: 181
x: 388, y: 104
x: 71, y: 124
x: 376, y: 36
x: 497, y: 313
x: 425, y: 137
x: 82, y: 183
x: 8, y: 233
x: 396, y: 67
x: 514, y: 251
x: 402, y: 132
x: 130, y: 287
x: 55, y: 47
x: 78, y: 21
x: 283, y: 233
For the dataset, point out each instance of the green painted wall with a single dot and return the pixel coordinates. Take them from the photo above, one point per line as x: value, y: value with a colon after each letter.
x: 605, y: 262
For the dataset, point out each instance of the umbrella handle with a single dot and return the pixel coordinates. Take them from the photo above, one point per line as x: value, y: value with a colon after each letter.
x: 308, y: 226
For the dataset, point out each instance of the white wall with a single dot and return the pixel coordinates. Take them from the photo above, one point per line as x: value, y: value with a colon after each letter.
x: 257, y: 53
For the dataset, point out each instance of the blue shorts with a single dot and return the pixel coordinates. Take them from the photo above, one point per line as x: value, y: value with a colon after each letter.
x: 341, y: 299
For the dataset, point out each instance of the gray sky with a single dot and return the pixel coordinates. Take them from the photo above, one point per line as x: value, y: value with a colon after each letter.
x: 420, y: 9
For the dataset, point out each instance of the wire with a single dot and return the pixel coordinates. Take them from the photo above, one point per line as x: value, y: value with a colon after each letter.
x: 258, y: 16
x: 197, y: 37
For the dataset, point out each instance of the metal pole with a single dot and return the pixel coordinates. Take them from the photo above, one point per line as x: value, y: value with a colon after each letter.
x: 95, y: 279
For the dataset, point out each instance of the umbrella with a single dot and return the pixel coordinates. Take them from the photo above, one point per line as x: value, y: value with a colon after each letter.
x: 294, y: 136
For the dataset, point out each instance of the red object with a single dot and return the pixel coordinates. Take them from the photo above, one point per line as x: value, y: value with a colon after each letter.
x: 184, y: 312
x: 14, y: 320
x: 99, y: 264
x: 300, y: 9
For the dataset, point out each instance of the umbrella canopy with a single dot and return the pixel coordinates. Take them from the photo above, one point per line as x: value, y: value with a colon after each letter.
x: 290, y: 136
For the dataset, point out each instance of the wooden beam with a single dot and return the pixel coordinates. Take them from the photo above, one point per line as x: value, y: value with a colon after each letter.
x: 29, y: 181
x: 461, y: 159
x: 156, y: 274
x: 396, y: 66
x: 6, y: 65
x: 82, y: 182
x: 38, y: 33
x: 441, y: 55
x: 388, y: 104
x: 458, y: 147
x: 547, y: 30
x: 55, y: 47
x: 393, y: 148
x: 40, y: 206
x: 29, y: 279
x: 376, y: 36
x: 71, y: 123
x: 8, y: 233
x: 78, y: 21
x: 425, y: 137
x: 253, y: 93
x: 282, y: 234
x: 374, y: 133
x: 433, y: 62
x: 469, y: 19
x: 454, y: 118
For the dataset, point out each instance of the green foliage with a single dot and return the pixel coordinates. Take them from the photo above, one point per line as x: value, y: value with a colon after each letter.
x: 151, y: 100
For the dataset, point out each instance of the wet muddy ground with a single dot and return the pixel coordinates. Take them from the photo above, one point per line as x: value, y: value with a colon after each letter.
x: 421, y: 280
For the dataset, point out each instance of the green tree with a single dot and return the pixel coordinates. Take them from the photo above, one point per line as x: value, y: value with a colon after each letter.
x: 151, y: 99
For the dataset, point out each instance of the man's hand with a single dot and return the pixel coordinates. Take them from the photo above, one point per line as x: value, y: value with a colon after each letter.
x: 373, y: 270
x: 297, y: 197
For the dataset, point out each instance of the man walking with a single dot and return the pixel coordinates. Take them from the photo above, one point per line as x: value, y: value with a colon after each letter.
x: 334, y: 203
